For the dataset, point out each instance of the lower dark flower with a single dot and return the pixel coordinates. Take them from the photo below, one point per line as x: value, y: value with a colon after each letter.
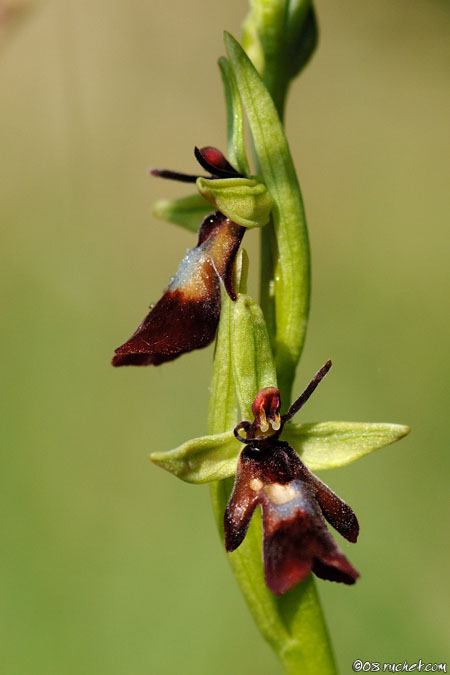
x: 294, y: 503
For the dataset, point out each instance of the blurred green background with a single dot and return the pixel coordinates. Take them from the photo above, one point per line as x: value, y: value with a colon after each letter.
x: 109, y: 566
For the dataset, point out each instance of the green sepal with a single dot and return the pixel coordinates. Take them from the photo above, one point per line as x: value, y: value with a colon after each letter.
x: 321, y: 445
x: 253, y: 363
x: 203, y: 459
x: 245, y: 201
x: 188, y: 212
x: 328, y: 445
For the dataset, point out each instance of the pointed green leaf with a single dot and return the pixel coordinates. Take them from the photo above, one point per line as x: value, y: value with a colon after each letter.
x: 327, y: 445
x: 201, y: 459
x: 292, y: 272
x: 244, y: 200
x: 235, y: 120
x: 188, y: 212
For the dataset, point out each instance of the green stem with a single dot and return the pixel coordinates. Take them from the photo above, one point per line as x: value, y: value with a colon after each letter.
x: 267, y: 279
x: 302, y: 643
x: 315, y: 653
x: 293, y: 624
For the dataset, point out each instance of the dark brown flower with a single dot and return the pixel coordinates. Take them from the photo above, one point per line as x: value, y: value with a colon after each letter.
x: 186, y: 316
x: 294, y: 504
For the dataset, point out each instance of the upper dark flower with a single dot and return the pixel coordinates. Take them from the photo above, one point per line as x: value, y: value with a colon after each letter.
x: 294, y: 502
x: 186, y: 316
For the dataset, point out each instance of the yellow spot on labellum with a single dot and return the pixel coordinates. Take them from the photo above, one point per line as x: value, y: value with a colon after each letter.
x: 281, y: 494
x: 255, y: 484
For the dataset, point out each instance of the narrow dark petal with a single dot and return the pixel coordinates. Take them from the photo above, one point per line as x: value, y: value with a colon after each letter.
x: 213, y: 161
x: 243, y: 501
x: 173, y: 175
x: 236, y: 521
x: 304, y: 396
x: 336, y: 511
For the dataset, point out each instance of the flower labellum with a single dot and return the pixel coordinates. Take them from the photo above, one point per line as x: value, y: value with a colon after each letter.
x: 186, y: 316
x: 294, y: 502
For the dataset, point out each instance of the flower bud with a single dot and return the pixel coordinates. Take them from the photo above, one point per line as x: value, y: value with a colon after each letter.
x: 245, y: 201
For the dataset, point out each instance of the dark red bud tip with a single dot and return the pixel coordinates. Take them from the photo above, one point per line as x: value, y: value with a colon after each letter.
x: 214, y: 157
x: 266, y: 409
x: 212, y: 160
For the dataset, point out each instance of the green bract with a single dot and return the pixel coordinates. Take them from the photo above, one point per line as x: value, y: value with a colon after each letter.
x: 245, y: 201
x: 201, y: 460
x: 252, y: 359
x: 223, y: 403
x: 321, y: 445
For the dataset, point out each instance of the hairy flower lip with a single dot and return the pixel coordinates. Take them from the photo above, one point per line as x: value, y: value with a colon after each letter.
x: 187, y: 315
x: 295, y: 504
